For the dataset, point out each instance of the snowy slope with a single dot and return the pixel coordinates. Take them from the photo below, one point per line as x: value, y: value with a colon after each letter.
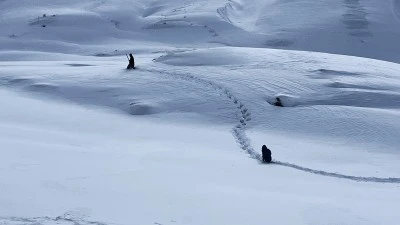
x: 173, y: 171
x: 177, y: 141
x: 366, y: 28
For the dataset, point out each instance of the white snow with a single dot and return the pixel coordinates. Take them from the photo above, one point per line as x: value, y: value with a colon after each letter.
x: 177, y: 141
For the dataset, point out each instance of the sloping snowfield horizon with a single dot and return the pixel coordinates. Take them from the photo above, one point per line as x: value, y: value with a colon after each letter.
x: 178, y: 140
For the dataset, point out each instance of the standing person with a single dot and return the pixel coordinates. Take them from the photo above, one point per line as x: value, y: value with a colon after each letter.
x: 266, y: 154
x: 131, y: 64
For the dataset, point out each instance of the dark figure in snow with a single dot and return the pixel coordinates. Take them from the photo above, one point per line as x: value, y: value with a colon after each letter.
x: 278, y: 102
x: 266, y: 154
x: 131, y: 64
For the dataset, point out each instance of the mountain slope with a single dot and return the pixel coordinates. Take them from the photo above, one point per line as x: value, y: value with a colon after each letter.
x: 364, y: 28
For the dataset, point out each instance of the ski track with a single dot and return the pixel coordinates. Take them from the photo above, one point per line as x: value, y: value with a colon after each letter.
x: 241, y: 138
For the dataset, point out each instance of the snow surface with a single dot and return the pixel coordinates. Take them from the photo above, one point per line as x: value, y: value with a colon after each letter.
x: 177, y: 141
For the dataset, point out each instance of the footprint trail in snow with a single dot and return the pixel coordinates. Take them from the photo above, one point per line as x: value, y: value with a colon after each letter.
x: 241, y: 138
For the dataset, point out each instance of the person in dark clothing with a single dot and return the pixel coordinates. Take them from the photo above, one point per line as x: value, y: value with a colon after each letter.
x: 131, y: 64
x: 266, y: 154
x: 278, y: 102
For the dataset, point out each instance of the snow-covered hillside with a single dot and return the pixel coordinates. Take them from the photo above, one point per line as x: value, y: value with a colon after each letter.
x: 366, y: 28
x: 177, y: 141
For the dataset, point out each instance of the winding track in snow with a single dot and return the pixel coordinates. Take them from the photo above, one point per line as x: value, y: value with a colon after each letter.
x: 338, y: 175
x: 239, y: 130
x: 240, y: 135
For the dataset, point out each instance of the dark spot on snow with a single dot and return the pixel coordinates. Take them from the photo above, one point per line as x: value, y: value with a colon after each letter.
x: 116, y: 23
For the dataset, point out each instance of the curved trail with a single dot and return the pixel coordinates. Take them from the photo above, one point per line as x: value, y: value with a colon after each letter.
x: 244, y: 115
x: 338, y: 175
x: 241, y: 138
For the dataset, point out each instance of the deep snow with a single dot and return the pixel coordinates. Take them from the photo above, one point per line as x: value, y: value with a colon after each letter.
x: 177, y: 141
